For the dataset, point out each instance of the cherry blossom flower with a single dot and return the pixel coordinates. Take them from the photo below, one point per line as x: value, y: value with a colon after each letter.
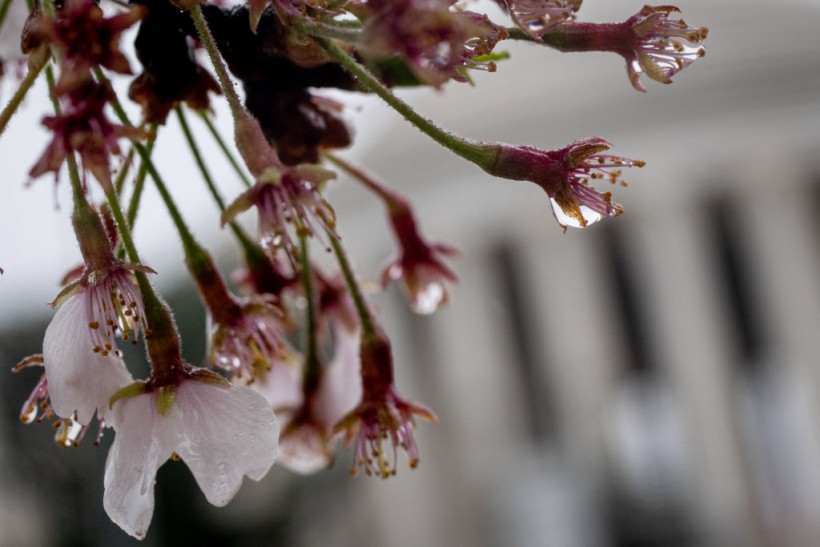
x: 308, y: 441
x: 565, y: 174
x: 419, y: 266
x: 436, y: 41
x: 80, y: 380
x: 83, y: 127
x: 650, y: 41
x: 221, y: 432
x: 83, y: 366
x: 283, y: 195
x: 111, y: 304
x: 245, y: 334
x: 382, y: 415
x: 84, y: 38
x: 292, y: 196
x: 247, y: 339
x: 662, y: 46
x: 537, y: 17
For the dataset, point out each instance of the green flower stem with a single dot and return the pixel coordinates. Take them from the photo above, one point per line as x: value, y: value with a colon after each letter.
x: 251, y: 250
x: 476, y: 152
x: 124, y: 169
x: 228, y: 154
x: 51, y: 95
x: 37, y: 61
x: 203, y: 169
x: 189, y: 243
x: 139, y: 183
x: 166, y: 349
x: 161, y: 337
x: 208, y: 41
x: 199, y: 261
x: 311, y: 373
x: 365, y: 318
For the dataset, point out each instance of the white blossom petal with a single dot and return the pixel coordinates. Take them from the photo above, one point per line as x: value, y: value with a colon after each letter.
x: 305, y: 450
x: 79, y: 380
x: 226, y: 432
x: 281, y: 386
x: 144, y: 441
x: 221, y: 432
x: 340, y: 388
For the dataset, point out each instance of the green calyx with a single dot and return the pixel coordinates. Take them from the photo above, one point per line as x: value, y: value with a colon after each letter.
x: 128, y: 392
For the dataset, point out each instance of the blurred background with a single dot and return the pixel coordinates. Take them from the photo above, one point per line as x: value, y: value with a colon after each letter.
x: 653, y: 380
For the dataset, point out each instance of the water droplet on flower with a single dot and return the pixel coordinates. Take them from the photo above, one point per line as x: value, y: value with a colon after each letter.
x: 428, y: 299
x: 590, y: 216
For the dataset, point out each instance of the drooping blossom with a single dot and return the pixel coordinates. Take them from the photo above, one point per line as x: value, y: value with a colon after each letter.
x: 221, y: 432
x: 85, y: 39
x: 83, y: 367
x: 82, y: 374
x: 565, y: 175
x: 419, y: 265
x: 383, y: 420
x: 436, y: 41
x: 663, y: 46
x: 652, y: 41
x: 83, y: 127
x: 284, y: 196
x: 289, y: 197
x: 111, y: 305
x: 245, y: 334
x: 80, y: 356
x: 537, y: 17
x: 37, y: 408
x: 248, y: 337
x: 310, y: 396
x: 308, y: 441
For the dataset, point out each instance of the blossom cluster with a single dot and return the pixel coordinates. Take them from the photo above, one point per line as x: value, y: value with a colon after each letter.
x: 298, y: 365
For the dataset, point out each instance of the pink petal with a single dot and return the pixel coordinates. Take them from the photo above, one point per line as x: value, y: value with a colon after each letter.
x: 79, y: 380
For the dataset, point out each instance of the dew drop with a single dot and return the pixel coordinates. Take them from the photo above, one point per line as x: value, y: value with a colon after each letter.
x: 590, y: 216
x: 429, y: 298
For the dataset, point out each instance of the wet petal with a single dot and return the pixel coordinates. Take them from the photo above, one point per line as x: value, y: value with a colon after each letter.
x: 305, y: 449
x: 144, y: 441
x: 226, y: 432
x: 79, y: 380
